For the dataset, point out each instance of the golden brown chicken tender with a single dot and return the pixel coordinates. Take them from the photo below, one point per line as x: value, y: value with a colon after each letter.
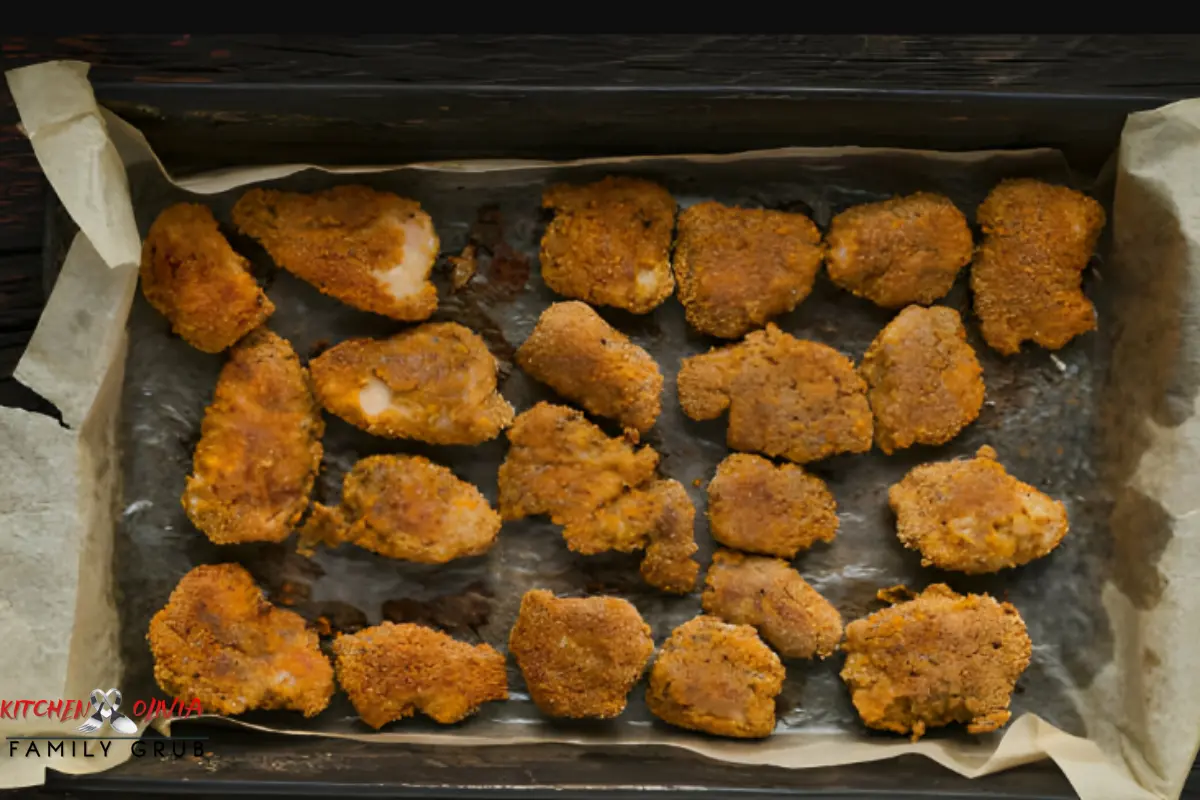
x: 1026, y: 278
x: 775, y: 510
x: 583, y: 358
x: 193, y: 277
x: 973, y: 517
x: 602, y: 490
x: 260, y: 446
x: 435, y: 383
x: 659, y: 519
x: 610, y: 243
x: 786, y: 397
x: 718, y: 678
x: 739, y: 267
x: 771, y: 596
x: 924, y: 382
x: 899, y: 251
x: 580, y: 656
x: 371, y: 250
x: 392, y: 671
x: 565, y: 467
x: 406, y: 507
x: 940, y: 658
x: 218, y: 640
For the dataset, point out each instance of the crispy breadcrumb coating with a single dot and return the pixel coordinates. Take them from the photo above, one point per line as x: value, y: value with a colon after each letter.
x: 392, y: 671
x: 260, y: 446
x: 739, y: 267
x: 786, y: 396
x: 768, y: 594
x: 659, y: 519
x: 1027, y: 274
x: 583, y: 358
x: 580, y: 656
x: 371, y: 250
x: 718, y: 678
x: 218, y: 640
x: 406, y: 507
x: 899, y: 251
x: 935, y: 660
x: 435, y: 383
x: 973, y: 517
x: 602, y: 490
x: 924, y: 382
x: 193, y: 277
x: 610, y: 242
x: 775, y: 510
x: 563, y: 466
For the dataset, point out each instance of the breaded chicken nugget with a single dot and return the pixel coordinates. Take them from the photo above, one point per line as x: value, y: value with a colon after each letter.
x: 610, y: 243
x: 602, y: 490
x: 392, y: 671
x: 899, y: 251
x: 583, y: 358
x: 565, y: 467
x: 435, y: 383
x: 768, y: 594
x: 924, y: 382
x: 759, y: 507
x: 739, y: 267
x: 1026, y: 277
x: 260, y: 446
x: 786, y: 397
x: 935, y: 660
x: 218, y: 640
x: 580, y: 656
x: 193, y: 277
x: 718, y: 678
x: 371, y: 250
x: 973, y: 517
x: 659, y: 519
x: 406, y: 507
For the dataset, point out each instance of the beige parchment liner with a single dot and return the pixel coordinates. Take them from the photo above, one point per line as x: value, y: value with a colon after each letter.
x: 58, y: 502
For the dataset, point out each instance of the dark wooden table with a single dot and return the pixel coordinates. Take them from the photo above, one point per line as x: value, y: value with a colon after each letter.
x: 398, y: 98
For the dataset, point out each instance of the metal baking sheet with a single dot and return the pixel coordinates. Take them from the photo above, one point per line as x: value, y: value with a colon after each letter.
x: 1040, y: 414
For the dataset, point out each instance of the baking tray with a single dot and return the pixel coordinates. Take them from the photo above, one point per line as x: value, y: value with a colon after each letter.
x: 1086, y: 129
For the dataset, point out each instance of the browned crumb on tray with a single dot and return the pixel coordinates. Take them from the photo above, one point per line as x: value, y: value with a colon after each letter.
x: 786, y: 396
x: 760, y: 507
x: 392, y: 671
x: 260, y: 446
x: 972, y: 516
x: 899, y: 251
x: 924, y: 381
x: 772, y: 597
x: 435, y: 383
x: 219, y: 641
x: 602, y: 490
x: 580, y: 656
x: 408, y: 508
x: 718, y: 678
x: 371, y: 250
x: 1027, y: 274
x: 739, y: 267
x: 583, y: 358
x: 609, y: 243
x: 191, y: 276
x: 463, y: 267
x: 939, y: 659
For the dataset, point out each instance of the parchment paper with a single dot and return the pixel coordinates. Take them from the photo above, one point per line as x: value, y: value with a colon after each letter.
x: 1107, y: 612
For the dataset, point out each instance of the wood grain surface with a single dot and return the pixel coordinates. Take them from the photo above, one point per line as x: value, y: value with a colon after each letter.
x: 271, y: 97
